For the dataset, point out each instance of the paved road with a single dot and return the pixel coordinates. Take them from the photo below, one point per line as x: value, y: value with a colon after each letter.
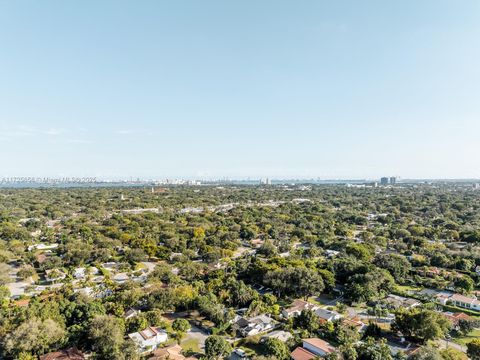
x: 443, y: 344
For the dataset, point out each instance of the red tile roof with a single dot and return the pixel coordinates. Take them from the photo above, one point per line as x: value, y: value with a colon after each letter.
x: 172, y: 352
x: 22, y: 303
x: 68, y: 354
x: 299, y: 305
x: 302, y: 354
x: 456, y: 317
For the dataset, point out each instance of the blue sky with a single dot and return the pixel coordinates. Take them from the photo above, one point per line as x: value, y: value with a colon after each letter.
x: 250, y: 88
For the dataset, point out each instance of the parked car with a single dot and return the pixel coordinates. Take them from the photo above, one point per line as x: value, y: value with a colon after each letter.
x: 240, y: 353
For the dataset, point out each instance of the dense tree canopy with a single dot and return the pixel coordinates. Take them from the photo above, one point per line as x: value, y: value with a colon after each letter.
x: 215, y: 250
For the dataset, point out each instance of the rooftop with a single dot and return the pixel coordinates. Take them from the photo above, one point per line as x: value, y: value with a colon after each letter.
x: 302, y: 354
x: 464, y: 299
x: 320, y: 344
x: 67, y: 354
x: 299, y: 305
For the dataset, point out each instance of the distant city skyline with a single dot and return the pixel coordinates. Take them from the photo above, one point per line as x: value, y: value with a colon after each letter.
x: 199, y: 180
x: 240, y: 89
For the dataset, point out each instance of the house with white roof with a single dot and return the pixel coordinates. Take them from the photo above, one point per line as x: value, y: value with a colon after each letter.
x: 471, y: 303
x: 255, y: 325
x: 281, y: 335
x: 149, y: 338
x: 110, y: 266
x: 331, y: 253
x: 121, y: 278
x: 131, y: 313
x: 42, y: 246
x: 396, y: 302
x: 327, y: 315
x: 80, y: 273
x: 465, y: 302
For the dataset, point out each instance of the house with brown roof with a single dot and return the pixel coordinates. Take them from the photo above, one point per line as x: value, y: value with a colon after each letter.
x: 455, y: 318
x: 311, y: 348
x: 172, y: 352
x: 302, y: 354
x: 297, y: 307
x: 432, y: 271
x: 67, y: 354
x: 22, y: 302
x: 40, y: 259
x: 356, y: 324
x: 256, y: 243
x: 318, y: 346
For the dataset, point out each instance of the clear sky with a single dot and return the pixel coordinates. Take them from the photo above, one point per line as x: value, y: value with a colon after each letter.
x: 240, y: 88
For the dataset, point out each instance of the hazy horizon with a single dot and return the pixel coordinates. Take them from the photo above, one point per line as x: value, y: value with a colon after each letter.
x: 132, y: 179
x: 214, y: 89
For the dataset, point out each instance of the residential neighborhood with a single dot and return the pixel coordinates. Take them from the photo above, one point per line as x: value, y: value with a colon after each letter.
x: 287, y: 297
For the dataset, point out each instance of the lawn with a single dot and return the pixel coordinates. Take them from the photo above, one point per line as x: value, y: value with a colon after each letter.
x: 252, y: 349
x: 192, y: 345
x: 463, y: 340
x: 408, y: 288
x: 323, y: 300
x: 251, y: 345
x: 140, y: 266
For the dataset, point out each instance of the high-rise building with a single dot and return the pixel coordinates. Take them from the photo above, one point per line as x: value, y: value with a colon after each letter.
x: 393, y: 180
x: 265, y: 181
x: 384, y: 181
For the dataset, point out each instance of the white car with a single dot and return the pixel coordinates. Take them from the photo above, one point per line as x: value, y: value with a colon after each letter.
x: 240, y: 353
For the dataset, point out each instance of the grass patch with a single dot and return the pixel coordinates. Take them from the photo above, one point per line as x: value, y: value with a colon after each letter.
x: 252, y: 349
x: 323, y: 300
x: 314, y: 300
x: 464, y: 340
x: 140, y: 266
x: 191, y: 345
x: 407, y: 288
x: 169, y: 342
x: 251, y: 345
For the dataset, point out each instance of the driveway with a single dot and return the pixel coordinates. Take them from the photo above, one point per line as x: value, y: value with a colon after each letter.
x: 19, y: 288
x: 198, y: 335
